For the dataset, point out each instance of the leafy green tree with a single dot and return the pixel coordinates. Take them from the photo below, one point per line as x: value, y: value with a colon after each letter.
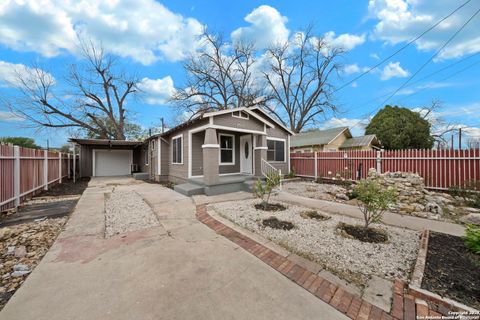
x: 401, y: 128
x: 20, y: 141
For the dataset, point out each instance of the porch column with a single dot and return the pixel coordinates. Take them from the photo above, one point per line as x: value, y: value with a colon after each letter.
x: 260, y: 153
x: 211, y: 150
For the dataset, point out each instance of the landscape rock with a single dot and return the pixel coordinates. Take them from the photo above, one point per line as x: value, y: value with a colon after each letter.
x: 471, y: 218
x: 21, y: 267
x: 341, y: 196
x: 20, y: 251
x: 17, y: 274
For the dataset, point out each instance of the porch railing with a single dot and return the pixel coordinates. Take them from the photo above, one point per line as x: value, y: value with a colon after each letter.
x: 267, y: 170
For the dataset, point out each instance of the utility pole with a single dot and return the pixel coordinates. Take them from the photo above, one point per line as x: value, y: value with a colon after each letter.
x: 163, y: 125
x: 460, y: 138
x: 451, y: 145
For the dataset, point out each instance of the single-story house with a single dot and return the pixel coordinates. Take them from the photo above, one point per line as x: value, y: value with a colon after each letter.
x: 216, y: 152
x: 333, y: 139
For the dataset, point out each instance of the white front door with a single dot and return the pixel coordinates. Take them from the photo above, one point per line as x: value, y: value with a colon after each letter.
x: 246, y: 154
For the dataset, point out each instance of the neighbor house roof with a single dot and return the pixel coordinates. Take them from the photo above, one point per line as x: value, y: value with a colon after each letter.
x: 362, y: 141
x: 105, y: 142
x: 317, y: 137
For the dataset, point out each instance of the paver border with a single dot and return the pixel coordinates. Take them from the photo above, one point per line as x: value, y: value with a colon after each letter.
x: 405, y: 306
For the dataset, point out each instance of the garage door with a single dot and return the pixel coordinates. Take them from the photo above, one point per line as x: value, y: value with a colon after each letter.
x: 112, y: 162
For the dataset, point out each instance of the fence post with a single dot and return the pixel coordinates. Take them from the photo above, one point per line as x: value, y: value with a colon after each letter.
x: 74, y: 164
x: 68, y: 165
x: 45, y: 170
x: 16, y: 175
x: 316, y: 165
x: 379, y: 162
x: 60, y: 167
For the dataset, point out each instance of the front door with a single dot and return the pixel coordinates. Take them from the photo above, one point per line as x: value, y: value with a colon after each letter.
x: 246, y: 154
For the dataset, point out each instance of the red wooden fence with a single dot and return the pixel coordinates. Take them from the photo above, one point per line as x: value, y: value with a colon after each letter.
x: 441, y: 169
x: 25, y: 171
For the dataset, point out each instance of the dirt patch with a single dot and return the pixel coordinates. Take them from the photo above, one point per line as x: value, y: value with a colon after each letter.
x: 270, y: 207
x: 312, y: 214
x: 371, y: 235
x: 274, y: 223
x: 67, y: 187
x: 451, y: 270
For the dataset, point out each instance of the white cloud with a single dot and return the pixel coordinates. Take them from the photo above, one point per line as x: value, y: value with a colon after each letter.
x: 357, y: 126
x: 432, y: 85
x: 345, y: 41
x: 354, y: 68
x: 374, y: 56
x: 10, y: 73
x: 351, y: 68
x: 267, y: 27
x: 393, y: 70
x: 9, y: 116
x: 403, y: 20
x: 157, y: 91
x: 143, y: 30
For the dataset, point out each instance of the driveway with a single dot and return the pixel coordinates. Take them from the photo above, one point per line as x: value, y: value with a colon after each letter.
x: 178, y: 269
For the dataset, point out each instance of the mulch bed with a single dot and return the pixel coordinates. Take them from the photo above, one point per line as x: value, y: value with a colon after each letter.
x: 451, y: 270
x: 270, y: 207
x: 371, y: 235
x: 66, y: 188
x: 274, y: 223
x: 312, y: 214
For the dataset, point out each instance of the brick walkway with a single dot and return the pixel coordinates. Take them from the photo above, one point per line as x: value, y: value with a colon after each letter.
x: 404, y: 305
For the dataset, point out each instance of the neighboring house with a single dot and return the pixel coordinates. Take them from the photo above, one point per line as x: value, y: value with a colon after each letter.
x: 334, y: 139
x: 214, y: 153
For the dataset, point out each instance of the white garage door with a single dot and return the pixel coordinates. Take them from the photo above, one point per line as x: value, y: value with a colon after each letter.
x: 111, y: 162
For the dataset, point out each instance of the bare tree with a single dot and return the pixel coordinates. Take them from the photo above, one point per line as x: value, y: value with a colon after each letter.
x: 94, y: 100
x: 440, y: 129
x: 299, y: 79
x: 218, y: 77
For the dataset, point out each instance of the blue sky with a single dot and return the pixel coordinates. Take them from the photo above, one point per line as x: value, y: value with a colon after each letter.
x: 152, y: 39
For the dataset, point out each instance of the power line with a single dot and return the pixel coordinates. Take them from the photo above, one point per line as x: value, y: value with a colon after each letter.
x: 402, y: 48
x: 421, y: 67
x: 432, y: 57
x: 426, y: 77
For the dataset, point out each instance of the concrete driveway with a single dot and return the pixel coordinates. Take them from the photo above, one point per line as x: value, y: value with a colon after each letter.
x: 179, y: 269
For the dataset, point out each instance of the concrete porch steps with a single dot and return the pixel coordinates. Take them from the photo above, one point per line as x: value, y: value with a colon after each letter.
x: 189, y: 189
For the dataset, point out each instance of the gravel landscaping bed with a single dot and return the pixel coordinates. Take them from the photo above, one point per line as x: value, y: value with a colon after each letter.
x: 21, y: 248
x: 318, y: 240
x: 126, y: 211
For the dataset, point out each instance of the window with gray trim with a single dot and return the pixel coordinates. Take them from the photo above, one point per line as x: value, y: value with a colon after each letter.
x: 177, y: 150
x: 276, y: 150
x: 226, y: 149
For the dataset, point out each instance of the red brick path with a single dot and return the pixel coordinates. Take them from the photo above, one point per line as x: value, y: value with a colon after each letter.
x: 404, y: 306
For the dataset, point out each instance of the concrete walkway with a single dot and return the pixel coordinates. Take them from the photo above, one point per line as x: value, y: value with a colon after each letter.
x: 389, y: 218
x: 178, y: 270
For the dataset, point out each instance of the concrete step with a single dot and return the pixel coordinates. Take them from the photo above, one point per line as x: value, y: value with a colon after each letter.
x: 189, y: 189
x: 140, y: 176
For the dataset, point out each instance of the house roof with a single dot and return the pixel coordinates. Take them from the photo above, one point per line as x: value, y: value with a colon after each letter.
x: 270, y: 122
x: 106, y: 142
x: 318, y: 137
x: 361, y: 141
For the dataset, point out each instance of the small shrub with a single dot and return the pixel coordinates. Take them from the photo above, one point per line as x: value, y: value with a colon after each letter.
x: 475, y: 202
x: 374, y: 200
x: 352, y: 194
x: 291, y: 174
x: 472, y: 238
x: 265, y: 191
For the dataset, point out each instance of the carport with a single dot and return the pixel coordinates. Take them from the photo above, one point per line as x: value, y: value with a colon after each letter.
x: 103, y: 157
